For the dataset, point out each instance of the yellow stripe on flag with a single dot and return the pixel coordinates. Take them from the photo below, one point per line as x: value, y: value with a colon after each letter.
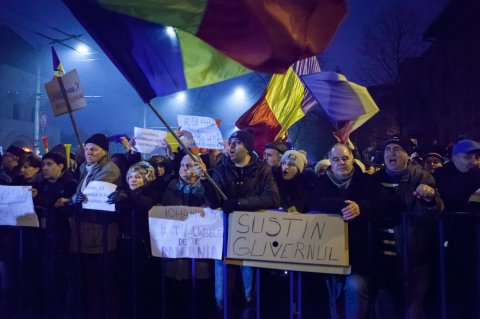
x: 284, y: 96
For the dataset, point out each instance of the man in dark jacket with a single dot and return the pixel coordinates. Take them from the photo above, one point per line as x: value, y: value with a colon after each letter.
x: 416, y: 190
x: 248, y: 185
x: 358, y: 198
x: 58, y: 182
x: 457, y: 181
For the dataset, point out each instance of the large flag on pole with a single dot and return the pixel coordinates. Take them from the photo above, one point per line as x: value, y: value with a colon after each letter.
x: 57, y: 65
x: 265, y: 36
x: 284, y: 102
x: 213, y: 40
x: 155, y: 59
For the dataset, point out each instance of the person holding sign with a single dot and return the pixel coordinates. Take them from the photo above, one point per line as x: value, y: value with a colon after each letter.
x: 358, y: 198
x: 187, y: 190
x: 249, y: 185
x: 97, y: 167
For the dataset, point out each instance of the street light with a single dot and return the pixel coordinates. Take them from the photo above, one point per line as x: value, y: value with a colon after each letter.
x: 82, y: 48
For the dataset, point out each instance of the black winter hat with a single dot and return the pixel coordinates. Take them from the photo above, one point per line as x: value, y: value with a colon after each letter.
x: 406, y: 144
x: 15, y: 150
x: 98, y: 139
x: 245, y: 137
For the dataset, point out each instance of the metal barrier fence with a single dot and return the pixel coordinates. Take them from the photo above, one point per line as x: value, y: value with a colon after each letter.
x: 40, y: 279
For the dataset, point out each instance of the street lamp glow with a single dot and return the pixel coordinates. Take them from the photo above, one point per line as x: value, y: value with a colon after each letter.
x: 170, y: 31
x: 239, y: 93
x: 181, y: 96
x: 82, y: 48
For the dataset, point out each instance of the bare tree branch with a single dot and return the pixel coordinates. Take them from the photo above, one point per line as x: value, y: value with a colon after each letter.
x: 389, y: 39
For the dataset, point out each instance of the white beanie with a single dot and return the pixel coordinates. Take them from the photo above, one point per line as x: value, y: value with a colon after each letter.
x: 298, y: 158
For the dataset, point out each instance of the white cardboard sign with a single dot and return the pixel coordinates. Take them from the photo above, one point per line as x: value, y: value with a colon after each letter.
x: 97, y: 193
x: 148, y: 140
x: 204, y: 131
x: 186, y: 232
x: 304, y: 242
x: 74, y: 91
x: 16, y: 206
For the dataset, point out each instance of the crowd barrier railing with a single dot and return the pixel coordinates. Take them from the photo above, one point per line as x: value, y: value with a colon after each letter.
x: 53, y: 261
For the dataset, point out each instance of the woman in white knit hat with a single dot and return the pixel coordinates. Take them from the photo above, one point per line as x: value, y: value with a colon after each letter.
x: 295, y: 182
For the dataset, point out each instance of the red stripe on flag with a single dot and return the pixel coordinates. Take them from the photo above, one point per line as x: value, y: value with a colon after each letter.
x: 261, y: 119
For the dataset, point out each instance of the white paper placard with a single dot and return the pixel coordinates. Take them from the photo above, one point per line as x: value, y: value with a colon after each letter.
x: 186, y: 232
x: 147, y: 140
x: 16, y: 206
x: 204, y: 131
x: 97, y: 193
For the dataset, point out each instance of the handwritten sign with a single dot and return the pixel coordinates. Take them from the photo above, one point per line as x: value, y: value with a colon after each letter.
x: 97, y: 193
x: 186, y: 232
x: 16, y: 206
x: 304, y: 242
x: 74, y: 91
x: 204, y: 130
x: 147, y: 140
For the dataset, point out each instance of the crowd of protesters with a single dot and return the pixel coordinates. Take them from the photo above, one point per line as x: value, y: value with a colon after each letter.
x: 97, y: 263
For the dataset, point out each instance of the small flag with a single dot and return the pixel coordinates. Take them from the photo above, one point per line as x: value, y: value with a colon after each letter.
x: 57, y: 65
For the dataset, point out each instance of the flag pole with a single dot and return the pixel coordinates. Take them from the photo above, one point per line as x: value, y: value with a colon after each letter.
x: 70, y: 113
x: 193, y: 157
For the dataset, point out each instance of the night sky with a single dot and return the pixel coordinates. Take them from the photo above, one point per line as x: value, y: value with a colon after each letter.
x: 115, y: 99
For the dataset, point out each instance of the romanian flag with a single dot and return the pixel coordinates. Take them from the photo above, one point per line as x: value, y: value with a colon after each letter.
x: 345, y: 103
x: 57, y: 65
x: 284, y: 102
x: 155, y: 59
x: 265, y: 36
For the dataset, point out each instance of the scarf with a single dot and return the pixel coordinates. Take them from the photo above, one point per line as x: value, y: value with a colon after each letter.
x: 341, y: 182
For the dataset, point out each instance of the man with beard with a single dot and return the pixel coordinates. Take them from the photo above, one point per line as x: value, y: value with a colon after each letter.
x: 416, y: 192
x: 248, y: 185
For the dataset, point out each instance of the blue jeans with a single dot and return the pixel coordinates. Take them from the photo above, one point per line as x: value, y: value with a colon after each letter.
x: 247, y: 278
x: 355, y: 293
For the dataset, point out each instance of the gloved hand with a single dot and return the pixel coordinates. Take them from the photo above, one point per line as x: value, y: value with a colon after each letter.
x: 79, y: 199
x: 230, y: 205
x: 117, y: 196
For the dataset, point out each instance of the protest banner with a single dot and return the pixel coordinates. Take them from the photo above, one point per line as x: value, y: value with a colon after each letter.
x: 204, y: 131
x: 186, y: 232
x: 73, y: 90
x: 16, y: 206
x: 301, y: 242
x: 97, y: 193
x: 147, y: 140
